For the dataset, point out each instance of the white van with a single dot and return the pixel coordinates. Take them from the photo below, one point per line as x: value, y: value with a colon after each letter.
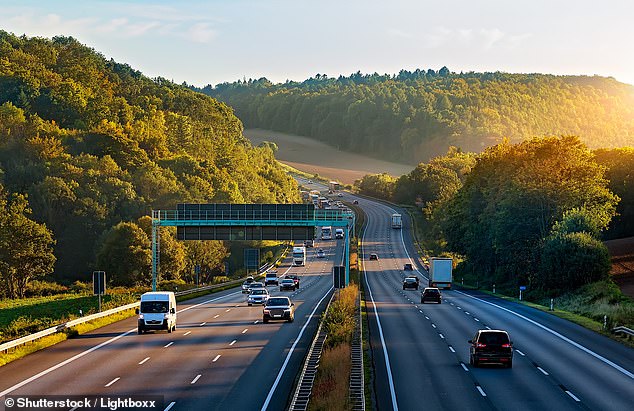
x: 339, y: 233
x: 157, y: 311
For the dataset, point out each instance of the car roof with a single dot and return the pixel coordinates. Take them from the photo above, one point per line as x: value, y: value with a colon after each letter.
x: 431, y: 288
x: 492, y: 331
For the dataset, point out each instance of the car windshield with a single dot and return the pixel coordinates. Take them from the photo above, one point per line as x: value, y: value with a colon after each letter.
x: 432, y: 292
x: 154, y: 306
x: 410, y: 280
x: 288, y: 281
x: 494, y: 338
x: 277, y: 301
x: 257, y: 285
x: 258, y: 292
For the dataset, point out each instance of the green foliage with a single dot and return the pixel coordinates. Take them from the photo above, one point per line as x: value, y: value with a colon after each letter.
x: 377, y: 185
x: 339, y: 319
x: 125, y: 255
x: 620, y: 163
x: 94, y: 143
x: 414, y: 116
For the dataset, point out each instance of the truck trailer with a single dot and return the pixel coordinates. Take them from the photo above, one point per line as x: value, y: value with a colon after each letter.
x: 440, y: 272
x: 397, y: 221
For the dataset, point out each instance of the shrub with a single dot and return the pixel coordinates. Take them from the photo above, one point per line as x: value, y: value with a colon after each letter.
x: 37, y: 288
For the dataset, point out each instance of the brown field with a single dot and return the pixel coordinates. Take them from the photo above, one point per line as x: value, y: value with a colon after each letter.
x: 312, y: 156
x: 622, y: 252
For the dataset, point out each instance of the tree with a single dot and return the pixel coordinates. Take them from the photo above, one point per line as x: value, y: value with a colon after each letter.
x: 125, y: 255
x: 172, y: 252
x: 26, y: 247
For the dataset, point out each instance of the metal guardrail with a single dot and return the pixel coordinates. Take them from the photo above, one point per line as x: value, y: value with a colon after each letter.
x: 69, y: 324
x: 624, y: 330
x: 304, y: 388
x: 357, y: 383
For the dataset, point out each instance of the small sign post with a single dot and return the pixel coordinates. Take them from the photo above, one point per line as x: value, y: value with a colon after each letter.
x: 522, y: 288
x: 99, y: 284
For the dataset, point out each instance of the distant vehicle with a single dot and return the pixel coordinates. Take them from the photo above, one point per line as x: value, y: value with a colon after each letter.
x: 339, y: 233
x: 410, y: 282
x: 355, y: 202
x: 294, y: 278
x: 440, y: 272
x: 408, y: 267
x: 258, y: 296
x: 246, y: 286
x: 326, y: 233
x: 271, y: 278
x: 374, y: 256
x: 430, y: 294
x: 299, y: 255
x: 339, y: 194
x: 492, y: 347
x: 287, y: 284
x: 310, y: 181
x: 309, y: 243
x: 333, y: 186
x: 250, y: 279
x: 157, y: 311
x: 278, y: 308
x: 320, y: 253
x: 397, y: 221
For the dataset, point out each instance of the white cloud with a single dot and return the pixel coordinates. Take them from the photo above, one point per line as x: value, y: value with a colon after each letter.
x: 484, y: 38
x: 200, y: 33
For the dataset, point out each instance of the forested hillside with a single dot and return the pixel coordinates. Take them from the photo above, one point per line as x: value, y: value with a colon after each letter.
x: 414, y: 116
x: 92, y: 143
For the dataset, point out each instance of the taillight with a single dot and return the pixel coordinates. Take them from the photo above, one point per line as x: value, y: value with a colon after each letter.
x: 506, y: 345
x: 479, y: 345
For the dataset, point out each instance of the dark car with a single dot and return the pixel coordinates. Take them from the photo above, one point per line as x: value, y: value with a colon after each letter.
x: 278, y: 308
x: 374, y: 256
x: 410, y: 282
x: 295, y: 279
x: 408, y: 267
x: 430, y: 294
x: 491, y: 347
x: 287, y: 284
x: 355, y: 202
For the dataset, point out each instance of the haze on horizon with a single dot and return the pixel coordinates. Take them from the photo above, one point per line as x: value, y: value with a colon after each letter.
x: 210, y: 42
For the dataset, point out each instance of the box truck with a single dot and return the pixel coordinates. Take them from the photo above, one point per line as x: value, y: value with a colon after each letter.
x: 440, y: 272
x: 397, y: 221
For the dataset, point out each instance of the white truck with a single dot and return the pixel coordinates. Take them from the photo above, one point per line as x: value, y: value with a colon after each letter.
x: 299, y: 255
x: 397, y: 221
x: 440, y: 272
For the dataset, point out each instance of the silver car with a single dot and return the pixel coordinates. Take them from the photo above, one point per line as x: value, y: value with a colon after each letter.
x: 258, y: 296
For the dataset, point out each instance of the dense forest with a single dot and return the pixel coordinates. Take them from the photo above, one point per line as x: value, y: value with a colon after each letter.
x: 89, y: 146
x: 414, y: 116
x: 531, y: 213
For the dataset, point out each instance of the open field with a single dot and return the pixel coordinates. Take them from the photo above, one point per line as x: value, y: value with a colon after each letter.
x: 315, y: 157
x: 622, y: 253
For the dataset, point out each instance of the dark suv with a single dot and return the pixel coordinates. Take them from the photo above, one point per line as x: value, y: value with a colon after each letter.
x: 430, y: 294
x: 295, y: 279
x: 492, y: 347
x: 410, y: 282
x: 278, y: 308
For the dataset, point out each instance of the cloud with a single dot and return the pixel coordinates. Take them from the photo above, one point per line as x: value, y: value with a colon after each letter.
x: 200, y: 33
x: 483, y: 38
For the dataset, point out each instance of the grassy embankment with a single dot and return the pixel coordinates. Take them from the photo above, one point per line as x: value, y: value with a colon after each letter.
x: 26, y: 316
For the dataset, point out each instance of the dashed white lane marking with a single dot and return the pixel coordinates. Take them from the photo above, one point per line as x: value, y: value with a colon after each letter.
x: 433, y: 325
x: 256, y: 321
x: 476, y: 319
x: 195, y: 379
x: 441, y: 336
x: 168, y: 344
x: 169, y: 407
x: 574, y: 397
x: 467, y: 312
x: 487, y: 327
x: 113, y: 381
x: 451, y: 349
x: 232, y: 342
x: 520, y: 353
x: 217, y: 315
x: 144, y: 360
x: 481, y: 391
x: 464, y: 366
x: 458, y: 307
x: 427, y: 318
x: 420, y: 311
x: 237, y: 305
x: 187, y: 333
x: 245, y: 330
x: 227, y: 310
x: 216, y: 359
x: 203, y: 323
x: 542, y: 370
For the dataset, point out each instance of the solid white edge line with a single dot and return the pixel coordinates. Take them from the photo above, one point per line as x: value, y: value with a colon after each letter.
x: 481, y: 391
x: 169, y: 407
x: 556, y: 334
x: 378, y: 321
x: 290, y: 352
x: 113, y: 381
x: 574, y: 397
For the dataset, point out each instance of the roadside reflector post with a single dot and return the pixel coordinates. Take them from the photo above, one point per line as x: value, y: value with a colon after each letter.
x: 493, y: 288
x: 552, y: 304
x: 605, y: 322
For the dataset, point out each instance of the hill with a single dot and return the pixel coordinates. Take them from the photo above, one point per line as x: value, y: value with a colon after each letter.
x: 414, y: 116
x: 93, y: 142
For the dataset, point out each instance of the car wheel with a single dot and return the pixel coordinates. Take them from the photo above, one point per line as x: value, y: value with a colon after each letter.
x: 265, y: 321
x: 422, y: 301
x: 510, y: 364
x: 140, y: 330
x: 250, y: 304
x: 280, y: 288
x: 169, y: 330
x: 470, y: 359
x: 403, y: 288
x: 476, y: 363
x: 290, y: 320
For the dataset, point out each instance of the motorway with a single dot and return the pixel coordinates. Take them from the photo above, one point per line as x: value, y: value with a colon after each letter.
x: 420, y: 351
x: 221, y: 356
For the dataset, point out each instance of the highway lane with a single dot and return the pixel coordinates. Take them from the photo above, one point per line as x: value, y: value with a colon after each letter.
x: 220, y: 356
x: 427, y: 349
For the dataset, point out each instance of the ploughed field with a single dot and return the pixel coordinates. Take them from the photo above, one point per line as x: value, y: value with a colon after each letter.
x: 315, y: 157
x: 622, y: 253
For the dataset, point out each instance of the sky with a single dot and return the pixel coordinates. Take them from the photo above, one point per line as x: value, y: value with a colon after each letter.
x: 215, y: 41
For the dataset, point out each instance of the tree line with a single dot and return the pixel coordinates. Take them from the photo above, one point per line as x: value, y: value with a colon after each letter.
x: 531, y: 213
x: 89, y: 146
x: 416, y: 115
